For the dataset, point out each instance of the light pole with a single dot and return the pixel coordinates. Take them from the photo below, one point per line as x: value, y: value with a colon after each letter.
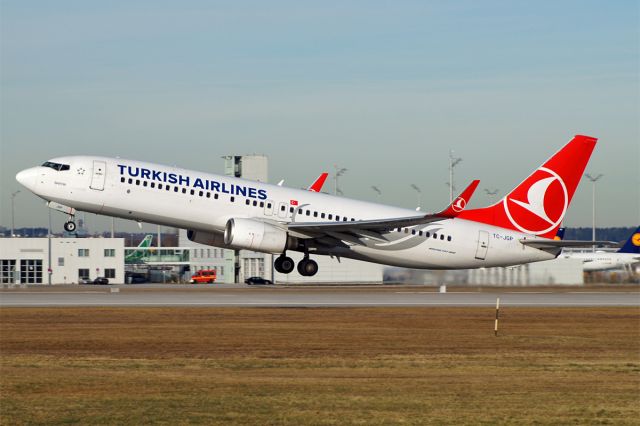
x: 453, y: 161
x: 415, y: 187
x: 339, y: 172
x: 593, y: 204
x: 13, y: 212
x: 377, y: 190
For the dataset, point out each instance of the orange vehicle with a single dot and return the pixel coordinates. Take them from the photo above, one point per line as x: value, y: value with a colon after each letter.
x: 204, y: 276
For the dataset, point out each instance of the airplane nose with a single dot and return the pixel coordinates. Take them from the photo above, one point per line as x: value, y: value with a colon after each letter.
x: 27, y: 178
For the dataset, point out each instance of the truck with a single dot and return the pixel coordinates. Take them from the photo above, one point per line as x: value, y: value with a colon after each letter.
x: 204, y: 276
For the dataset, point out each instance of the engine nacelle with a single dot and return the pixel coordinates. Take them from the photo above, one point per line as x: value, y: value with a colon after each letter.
x: 215, y: 239
x: 256, y: 235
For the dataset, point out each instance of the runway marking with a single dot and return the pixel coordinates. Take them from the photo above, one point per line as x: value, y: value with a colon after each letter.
x: 319, y: 304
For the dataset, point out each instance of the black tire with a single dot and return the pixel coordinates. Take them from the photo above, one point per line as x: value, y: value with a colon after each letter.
x: 70, y: 226
x: 286, y: 265
x: 307, y: 267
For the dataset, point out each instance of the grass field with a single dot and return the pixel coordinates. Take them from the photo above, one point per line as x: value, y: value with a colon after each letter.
x: 319, y: 366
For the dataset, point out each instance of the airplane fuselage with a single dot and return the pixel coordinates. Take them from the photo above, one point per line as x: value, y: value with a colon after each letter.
x: 204, y: 202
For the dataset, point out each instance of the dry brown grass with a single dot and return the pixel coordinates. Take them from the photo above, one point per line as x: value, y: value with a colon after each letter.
x: 319, y: 366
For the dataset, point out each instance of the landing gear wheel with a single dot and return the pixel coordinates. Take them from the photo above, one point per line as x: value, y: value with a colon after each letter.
x: 70, y: 226
x: 307, y: 267
x: 284, y: 264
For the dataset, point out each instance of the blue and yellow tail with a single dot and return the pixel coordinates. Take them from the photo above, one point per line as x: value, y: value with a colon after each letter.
x: 633, y: 243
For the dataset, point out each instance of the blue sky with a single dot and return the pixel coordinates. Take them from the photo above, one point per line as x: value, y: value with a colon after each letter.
x: 382, y: 88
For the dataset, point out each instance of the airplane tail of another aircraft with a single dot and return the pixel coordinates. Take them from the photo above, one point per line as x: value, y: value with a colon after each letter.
x: 633, y: 243
x: 538, y: 205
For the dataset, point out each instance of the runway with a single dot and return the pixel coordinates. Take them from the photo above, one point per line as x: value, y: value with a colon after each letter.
x: 239, y: 296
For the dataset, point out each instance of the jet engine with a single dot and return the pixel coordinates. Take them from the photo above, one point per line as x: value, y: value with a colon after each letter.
x: 256, y: 235
x: 215, y: 239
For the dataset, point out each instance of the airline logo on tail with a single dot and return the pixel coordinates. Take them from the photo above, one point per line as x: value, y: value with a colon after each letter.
x: 635, y: 240
x: 539, y: 204
x: 459, y: 204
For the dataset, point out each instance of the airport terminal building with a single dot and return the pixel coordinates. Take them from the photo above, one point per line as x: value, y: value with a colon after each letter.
x: 70, y: 260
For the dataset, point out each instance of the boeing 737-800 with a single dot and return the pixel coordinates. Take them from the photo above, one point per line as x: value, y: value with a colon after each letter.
x: 233, y: 213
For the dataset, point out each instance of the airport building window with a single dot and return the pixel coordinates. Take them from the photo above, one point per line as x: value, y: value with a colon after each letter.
x: 31, y: 271
x: 83, y: 252
x: 109, y: 252
x: 109, y: 273
x: 61, y: 261
x: 7, y: 271
x: 83, y: 274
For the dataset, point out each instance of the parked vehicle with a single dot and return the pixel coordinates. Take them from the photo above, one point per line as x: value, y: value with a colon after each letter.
x: 204, y: 276
x: 257, y: 280
x: 101, y: 280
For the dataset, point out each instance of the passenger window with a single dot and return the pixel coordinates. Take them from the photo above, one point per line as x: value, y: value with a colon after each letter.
x: 290, y: 209
x: 153, y: 184
x: 193, y: 192
x: 435, y: 235
x: 233, y: 199
x: 255, y: 203
x: 130, y: 181
x: 449, y: 238
x: 184, y: 190
x: 322, y: 215
x: 406, y: 230
x: 337, y: 218
x: 427, y: 234
x: 201, y: 193
x: 299, y: 211
x: 308, y: 212
x: 420, y: 233
x: 159, y: 186
x: 137, y: 181
x: 268, y: 205
x: 344, y: 219
x: 144, y: 183
x: 315, y: 214
x: 215, y: 196
x: 413, y: 232
x: 208, y: 195
x: 442, y: 236
x: 330, y: 216
x: 122, y: 179
x: 281, y: 208
x: 262, y: 204
x: 247, y: 202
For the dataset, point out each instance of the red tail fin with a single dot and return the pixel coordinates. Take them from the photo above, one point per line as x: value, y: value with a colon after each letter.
x: 538, y: 205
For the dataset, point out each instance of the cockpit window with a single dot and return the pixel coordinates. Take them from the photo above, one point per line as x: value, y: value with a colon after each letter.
x: 56, y: 166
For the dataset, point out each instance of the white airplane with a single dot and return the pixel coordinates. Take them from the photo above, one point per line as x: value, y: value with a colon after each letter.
x: 234, y: 213
x: 625, y: 258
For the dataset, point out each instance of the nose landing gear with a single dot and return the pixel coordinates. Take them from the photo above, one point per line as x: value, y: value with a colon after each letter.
x: 70, y: 226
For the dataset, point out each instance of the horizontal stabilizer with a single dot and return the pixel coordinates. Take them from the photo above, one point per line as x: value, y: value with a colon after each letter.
x: 543, y: 244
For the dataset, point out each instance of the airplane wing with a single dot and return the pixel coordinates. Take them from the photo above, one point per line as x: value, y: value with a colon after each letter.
x: 351, y: 231
x: 544, y: 244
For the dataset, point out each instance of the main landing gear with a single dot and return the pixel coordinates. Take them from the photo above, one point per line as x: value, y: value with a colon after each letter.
x: 306, y: 267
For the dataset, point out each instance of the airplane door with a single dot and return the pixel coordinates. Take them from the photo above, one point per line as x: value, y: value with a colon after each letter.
x: 282, y: 210
x: 99, y: 175
x: 483, y: 245
x: 268, y: 208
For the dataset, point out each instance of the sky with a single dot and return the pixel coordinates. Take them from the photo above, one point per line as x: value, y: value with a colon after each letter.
x: 384, y: 89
